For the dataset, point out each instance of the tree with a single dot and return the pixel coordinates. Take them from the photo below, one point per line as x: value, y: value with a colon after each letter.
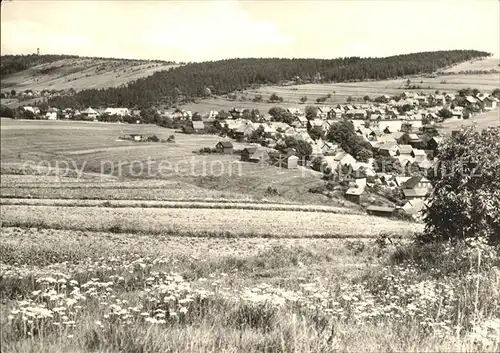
x: 257, y: 98
x: 275, y: 98
x: 13, y: 93
x: 496, y: 93
x: 316, y: 133
x: 367, y: 98
x: 257, y: 136
x: 386, y: 164
x: 465, y: 201
x: 6, y: 112
x: 317, y: 164
x: 303, y: 99
x: 311, y: 112
x: 445, y: 113
x: 281, y: 115
x: 349, y: 99
x: 303, y: 149
x: 196, y: 117
x: 343, y: 133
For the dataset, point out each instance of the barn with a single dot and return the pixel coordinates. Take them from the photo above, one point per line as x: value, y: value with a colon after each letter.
x: 380, y: 211
x: 225, y: 147
x: 354, y: 194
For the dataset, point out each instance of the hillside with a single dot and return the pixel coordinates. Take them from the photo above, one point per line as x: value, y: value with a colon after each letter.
x: 61, y: 72
x: 221, y: 77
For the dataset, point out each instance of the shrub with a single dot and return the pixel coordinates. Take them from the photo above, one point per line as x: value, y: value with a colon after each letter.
x: 465, y: 201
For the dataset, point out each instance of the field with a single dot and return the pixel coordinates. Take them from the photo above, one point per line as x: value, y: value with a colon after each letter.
x: 81, y: 73
x: 482, y: 64
x: 340, y: 91
x: 482, y: 120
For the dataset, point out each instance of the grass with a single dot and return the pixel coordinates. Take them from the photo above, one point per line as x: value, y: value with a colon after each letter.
x: 184, y: 204
x: 482, y: 120
x: 91, y: 148
x: 84, y: 291
x: 205, y: 222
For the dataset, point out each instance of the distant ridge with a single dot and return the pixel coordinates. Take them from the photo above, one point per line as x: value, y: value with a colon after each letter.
x: 10, y: 64
x: 187, y: 82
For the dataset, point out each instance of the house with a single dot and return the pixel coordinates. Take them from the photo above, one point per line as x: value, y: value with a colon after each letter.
x: 414, y: 207
x: 354, y: 194
x: 419, y: 155
x: 390, y: 125
x: 417, y: 187
x: 90, y: 114
x: 335, y: 113
x: 412, y: 194
x: 323, y: 112
x: 434, y: 142
x: 417, y: 182
x: 300, y: 121
x: 388, y: 149
x: 259, y: 156
x: 425, y: 165
x: 117, y: 111
x: 247, y: 153
x: 380, y: 211
x: 404, y: 150
x: 136, y: 137
x: 34, y: 110
x: 197, y: 125
x: 490, y: 103
x: 51, y: 116
x: 359, y: 177
x: 344, y: 158
x: 225, y: 147
x: 471, y: 100
x: 481, y: 96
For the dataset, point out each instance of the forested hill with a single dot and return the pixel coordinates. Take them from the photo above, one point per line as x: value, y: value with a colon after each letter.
x: 224, y: 76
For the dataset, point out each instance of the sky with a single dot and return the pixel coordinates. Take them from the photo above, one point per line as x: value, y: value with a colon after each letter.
x: 220, y: 29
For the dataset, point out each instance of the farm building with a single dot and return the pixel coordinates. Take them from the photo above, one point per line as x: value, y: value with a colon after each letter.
x: 224, y: 147
x: 380, y: 211
x: 259, y: 156
x: 136, y: 137
x: 417, y: 193
x: 247, y: 153
x: 354, y: 194
x: 117, y: 111
x: 490, y: 103
x: 90, y: 113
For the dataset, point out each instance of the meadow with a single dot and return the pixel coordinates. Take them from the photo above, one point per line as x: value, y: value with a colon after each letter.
x: 481, y: 120
x: 83, y: 291
x: 92, y: 149
x: 339, y: 92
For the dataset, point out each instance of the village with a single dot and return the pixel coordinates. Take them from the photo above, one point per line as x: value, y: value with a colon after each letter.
x: 400, y: 135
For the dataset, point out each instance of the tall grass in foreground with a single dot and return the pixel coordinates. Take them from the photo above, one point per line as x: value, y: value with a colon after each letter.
x: 117, y: 302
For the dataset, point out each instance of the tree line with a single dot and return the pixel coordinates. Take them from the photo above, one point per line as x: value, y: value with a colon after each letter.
x: 194, y: 80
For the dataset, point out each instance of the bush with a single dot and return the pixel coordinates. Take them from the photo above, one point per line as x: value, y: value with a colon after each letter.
x: 465, y: 201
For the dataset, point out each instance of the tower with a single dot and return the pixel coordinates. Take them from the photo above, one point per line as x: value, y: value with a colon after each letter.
x: 37, y: 51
